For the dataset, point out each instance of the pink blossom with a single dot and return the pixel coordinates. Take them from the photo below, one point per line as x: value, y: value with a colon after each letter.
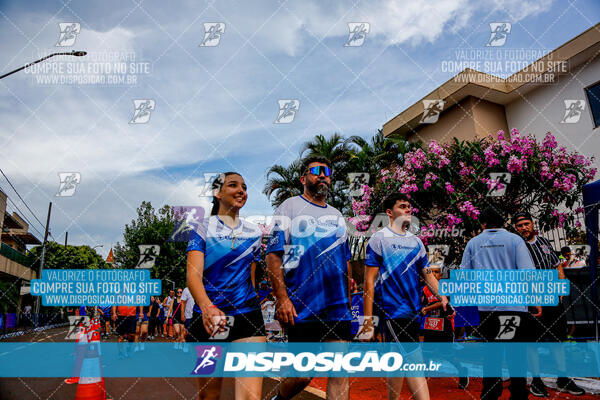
x: 465, y: 169
x: 468, y: 208
x: 515, y: 164
x: 449, y: 188
x: 490, y: 157
x: 562, y: 217
x: 453, y: 220
x: 549, y: 142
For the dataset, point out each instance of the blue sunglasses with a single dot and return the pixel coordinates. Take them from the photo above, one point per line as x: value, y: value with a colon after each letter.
x: 317, y: 170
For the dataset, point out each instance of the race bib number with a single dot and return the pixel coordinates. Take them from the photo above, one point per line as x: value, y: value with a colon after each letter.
x: 434, y: 324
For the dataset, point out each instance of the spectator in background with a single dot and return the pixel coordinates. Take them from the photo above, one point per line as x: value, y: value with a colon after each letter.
x: 569, y: 260
x: 263, y: 290
x: 125, y: 319
x: 438, y: 324
x: 551, y: 326
x: 26, y: 317
x: 187, y: 302
x: 167, y: 303
x: 497, y: 249
x: 153, y: 317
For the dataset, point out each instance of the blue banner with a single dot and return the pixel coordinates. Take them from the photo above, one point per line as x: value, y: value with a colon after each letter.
x: 296, y: 359
x: 486, y: 287
x: 95, y: 287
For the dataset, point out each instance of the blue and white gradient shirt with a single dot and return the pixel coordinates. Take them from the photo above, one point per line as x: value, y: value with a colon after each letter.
x: 314, y: 244
x: 400, y: 258
x: 228, y: 255
x: 497, y: 249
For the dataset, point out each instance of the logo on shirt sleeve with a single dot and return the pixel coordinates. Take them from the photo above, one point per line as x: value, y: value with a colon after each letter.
x: 292, y: 254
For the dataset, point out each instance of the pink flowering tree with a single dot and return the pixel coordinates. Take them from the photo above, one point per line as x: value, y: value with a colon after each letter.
x: 449, y: 185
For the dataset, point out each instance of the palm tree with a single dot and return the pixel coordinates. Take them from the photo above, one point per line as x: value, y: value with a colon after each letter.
x: 285, y: 184
x: 378, y: 153
x: 333, y: 148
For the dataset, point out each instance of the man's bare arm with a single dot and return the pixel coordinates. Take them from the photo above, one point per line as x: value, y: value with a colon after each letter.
x: 285, y: 309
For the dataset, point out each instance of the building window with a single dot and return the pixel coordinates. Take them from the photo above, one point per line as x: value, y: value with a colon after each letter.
x: 593, y: 95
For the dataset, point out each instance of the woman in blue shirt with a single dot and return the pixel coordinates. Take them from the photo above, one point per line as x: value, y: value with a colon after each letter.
x: 221, y: 259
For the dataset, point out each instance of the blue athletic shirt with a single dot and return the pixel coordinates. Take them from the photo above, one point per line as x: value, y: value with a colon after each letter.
x: 314, y: 243
x: 228, y: 254
x: 497, y: 249
x: 400, y: 258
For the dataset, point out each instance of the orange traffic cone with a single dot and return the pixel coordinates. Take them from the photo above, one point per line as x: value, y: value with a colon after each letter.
x: 91, y: 383
x: 81, y: 340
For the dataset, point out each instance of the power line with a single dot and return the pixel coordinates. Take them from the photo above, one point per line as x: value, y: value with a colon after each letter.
x: 32, y: 213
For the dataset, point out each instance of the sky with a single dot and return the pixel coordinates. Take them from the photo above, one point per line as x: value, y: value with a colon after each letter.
x: 214, y: 102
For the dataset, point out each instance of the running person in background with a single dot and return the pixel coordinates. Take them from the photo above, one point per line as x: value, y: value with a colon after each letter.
x: 394, y: 262
x: 497, y: 249
x: 105, y: 315
x: 438, y: 324
x: 307, y: 259
x: 551, y: 326
x: 177, y: 313
x: 124, y: 317
x: 220, y: 263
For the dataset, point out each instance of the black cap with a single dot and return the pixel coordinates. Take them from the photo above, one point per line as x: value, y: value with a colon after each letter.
x: 521, y: 216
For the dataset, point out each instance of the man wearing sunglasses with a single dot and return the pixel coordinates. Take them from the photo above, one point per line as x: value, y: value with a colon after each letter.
x: 307, y: 258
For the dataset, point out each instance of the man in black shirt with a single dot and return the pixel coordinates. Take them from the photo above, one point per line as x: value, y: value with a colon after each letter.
x: 552, y: 325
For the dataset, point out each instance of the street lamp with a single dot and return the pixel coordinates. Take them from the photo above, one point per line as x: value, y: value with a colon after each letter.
x: 73, y: 53
x: 98, y: 245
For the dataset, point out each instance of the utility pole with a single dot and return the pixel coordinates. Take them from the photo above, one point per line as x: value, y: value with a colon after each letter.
x: 38, y: 300
x: 66, y: 237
